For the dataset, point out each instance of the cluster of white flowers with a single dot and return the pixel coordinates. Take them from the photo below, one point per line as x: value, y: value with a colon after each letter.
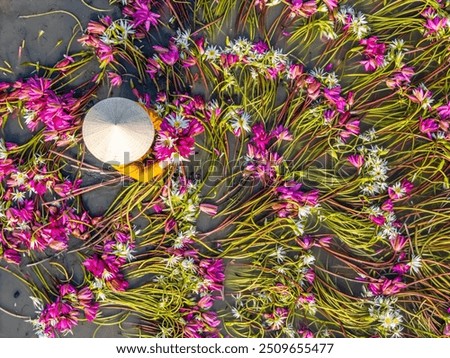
x: 123, y: 250
x: 375, y: 177
x: 241, y: 47
x: 183, y: 199
x: 327, y: 30
x: 38, y: 326
x: 258, y: 58
x: 389, y: 319
x: 276, y: 290
x: 389, y: 230
x: 97, y: 286
x: 3, y: 150
x: 279, y: 254
x: 183, y: 237
x: 396, y: 53
x: 212, y: 53
x: 118, y: 32
x: 288, y: 330
x: 374, y: 210
x: 415, y: 264
x: 183, y: 38
x: 28, y: 115
x: 327, y: 78
x: 298, y: 227
x: 239, y: 120
x: 375, y: 169
x: 356, y: 21
x: 277, y: 57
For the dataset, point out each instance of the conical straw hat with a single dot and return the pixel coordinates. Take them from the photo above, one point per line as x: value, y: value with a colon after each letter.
x: 118, y: 130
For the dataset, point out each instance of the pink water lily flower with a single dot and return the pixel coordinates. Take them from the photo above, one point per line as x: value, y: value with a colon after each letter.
x: 436, y: 24
x: 302, y: 8
x: 373, y: 53
x: 200, y: 323
x: 33, y: 89
x: 331, y: 4
x: 444, y: 111
x: 305, y: 333
x: 153, y: 67
x: 4, y: 86
x: 210, y: 318
x: 228, y: 60
x: 63, y: 314
x: 428, y: 126
x: 400, y: 189
x: 59, y: 317
x: 260, y: 47
x: 400, y: 268
x: 67, y: 289
x: 422, y: 96
x: 282, y: 133
x: 209, y: 209
x: 206, y: 302
x: 105, y: 54
x: 398, y: 242
x: 295, y: 71
x: 85, y: 296
x: 386, y: 286
x: 115, y: 79
x: 169, y: 55
x: 99, y: 28
x: 21, y: 214
x: 118, y: 283
x: 175, y: 140
x: 91, y: 311
x: 334, y: 98
x: 68, y: 60
x: 357, y: 160
x: 200, y: 43
x: 95, y: 265
x: 401, y: 78
x: 213, y: 270
x: 388, y: 205
x: 11, y: 256
x: 141, y: 14
x: 310, y: 276
x: 446, y: 331
x: 377, y: 219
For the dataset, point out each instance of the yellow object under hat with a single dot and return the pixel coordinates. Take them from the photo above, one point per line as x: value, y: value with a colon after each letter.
x: 138, y: 170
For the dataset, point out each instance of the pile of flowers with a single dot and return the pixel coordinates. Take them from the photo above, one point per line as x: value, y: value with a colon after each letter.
x: 35, y: 101
x: 175, y: 140
x: 305, y: 186
x: 111, y: 255
x: 60, y: 316
x: 36, y: 212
